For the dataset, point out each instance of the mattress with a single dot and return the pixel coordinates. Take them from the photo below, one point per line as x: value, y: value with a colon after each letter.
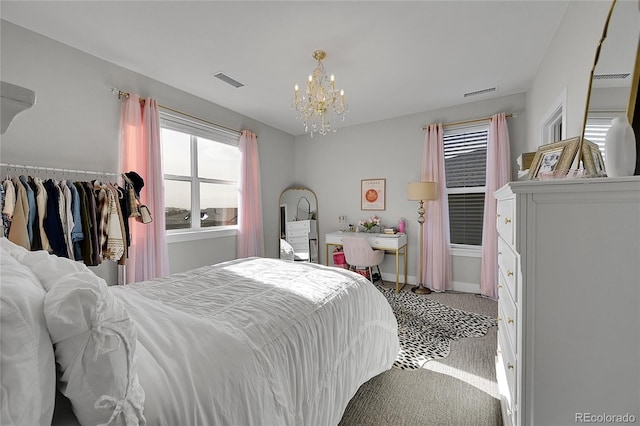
x: 257, y: 341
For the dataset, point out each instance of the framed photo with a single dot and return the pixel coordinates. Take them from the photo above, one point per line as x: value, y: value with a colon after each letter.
x: 592, y: 158
x: 372, y: 194
x: 554, y: 160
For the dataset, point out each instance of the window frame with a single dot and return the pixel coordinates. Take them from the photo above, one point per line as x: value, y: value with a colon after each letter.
x: 458, y: 249
x: 195, y: 129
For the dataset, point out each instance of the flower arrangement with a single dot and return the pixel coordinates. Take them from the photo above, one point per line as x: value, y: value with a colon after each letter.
x: 368, y: 224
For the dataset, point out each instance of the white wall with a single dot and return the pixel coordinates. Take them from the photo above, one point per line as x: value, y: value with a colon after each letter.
x: 333, y: 166
x: 392, y: 149
x: 567, y: 66
x: 75, y: 125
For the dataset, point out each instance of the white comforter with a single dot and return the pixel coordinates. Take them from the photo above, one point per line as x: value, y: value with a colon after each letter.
x: 257, y: 342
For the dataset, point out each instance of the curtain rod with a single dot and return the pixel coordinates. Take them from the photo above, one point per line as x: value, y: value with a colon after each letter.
x: 477, y: 120
x: 126, y: 95
x: 54, y: 169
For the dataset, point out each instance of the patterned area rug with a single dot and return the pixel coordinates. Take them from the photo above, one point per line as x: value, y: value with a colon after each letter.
x: 427, y: 328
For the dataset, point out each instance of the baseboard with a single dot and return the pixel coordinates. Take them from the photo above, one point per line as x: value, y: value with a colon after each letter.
x: 455, y: 285
x: 465, y: 287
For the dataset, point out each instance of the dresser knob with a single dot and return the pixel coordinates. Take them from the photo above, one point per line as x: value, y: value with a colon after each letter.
x: 499, y: 285
x: 499, y: 253
x: 510, y: 320
x: 507, y: 220
x: 509, y: 273
x: 499, y: 318
x: 510, y: 366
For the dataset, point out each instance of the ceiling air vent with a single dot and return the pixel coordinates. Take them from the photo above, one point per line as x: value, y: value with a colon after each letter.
x: 619, y: 76
x: 480, y: 92
x: 222, y: 76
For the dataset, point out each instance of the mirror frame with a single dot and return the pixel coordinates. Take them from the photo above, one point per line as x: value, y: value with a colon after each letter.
x: 280, y: 224
x: 633, y: 95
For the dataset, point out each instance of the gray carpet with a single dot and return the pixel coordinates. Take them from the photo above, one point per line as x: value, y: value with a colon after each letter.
x: 460, y: 389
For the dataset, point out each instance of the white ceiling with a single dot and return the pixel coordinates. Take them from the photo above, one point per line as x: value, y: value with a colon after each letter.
x: 392, y: 58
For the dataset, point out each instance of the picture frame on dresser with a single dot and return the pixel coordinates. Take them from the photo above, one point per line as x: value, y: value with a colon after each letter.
x: 592, y: 158
x: 554, y: 160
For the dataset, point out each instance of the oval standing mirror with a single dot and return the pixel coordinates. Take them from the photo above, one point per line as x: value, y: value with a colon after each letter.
x: 614, y: 83
x: 299, y: 225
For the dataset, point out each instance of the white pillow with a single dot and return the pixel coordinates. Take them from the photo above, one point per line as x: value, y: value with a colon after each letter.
x: 94, y: 338
x: 95, y: 342
x: 48, y: 268
x: 28, y: 379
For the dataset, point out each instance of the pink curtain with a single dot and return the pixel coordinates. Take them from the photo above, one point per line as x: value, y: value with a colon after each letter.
x: 141, y: 151
x: 250, y: 234
x: 436, y: 261
x: 498, y: 173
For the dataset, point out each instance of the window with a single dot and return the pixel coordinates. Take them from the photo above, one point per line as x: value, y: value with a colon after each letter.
x: 465, y: 157
x: 551, y: 127
x: 201, y: 167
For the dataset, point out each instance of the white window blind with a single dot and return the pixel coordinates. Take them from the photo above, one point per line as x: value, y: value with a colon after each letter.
x: 465, y: 153
x: 597, y: 126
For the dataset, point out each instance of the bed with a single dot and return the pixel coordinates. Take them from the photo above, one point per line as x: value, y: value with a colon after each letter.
x: 250, y: 341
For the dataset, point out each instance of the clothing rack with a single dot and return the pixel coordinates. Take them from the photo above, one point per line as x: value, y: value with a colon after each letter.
x: 57, y: 172
x: 7, y: 169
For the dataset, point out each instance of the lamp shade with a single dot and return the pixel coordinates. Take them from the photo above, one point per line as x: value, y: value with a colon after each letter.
x: 421, y: 191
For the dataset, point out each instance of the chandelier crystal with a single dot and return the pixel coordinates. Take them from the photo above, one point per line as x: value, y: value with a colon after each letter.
x: 320, y: 105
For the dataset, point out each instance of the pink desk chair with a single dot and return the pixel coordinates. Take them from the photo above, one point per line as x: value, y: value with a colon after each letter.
x: 358, y: 252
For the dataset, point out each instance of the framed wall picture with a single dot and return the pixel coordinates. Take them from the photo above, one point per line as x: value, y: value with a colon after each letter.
x: 592, y: 158
x: 554, y: 160
x: 372, y: 194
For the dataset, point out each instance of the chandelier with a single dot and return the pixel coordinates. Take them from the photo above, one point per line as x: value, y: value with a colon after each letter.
x: 321, y: 103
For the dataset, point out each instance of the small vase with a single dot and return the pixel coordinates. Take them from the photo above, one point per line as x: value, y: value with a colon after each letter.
x: 620, y: 148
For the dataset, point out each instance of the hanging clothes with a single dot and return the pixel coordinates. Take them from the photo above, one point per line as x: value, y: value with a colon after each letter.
x: 67, y: 217
x: 18, y: 233
x: 114, y: 246
x: 36, y: 241
x: 86, y: 244
x: 94, y: 220
x: 76, y: 230
x: 52, y: 221
x: 83, y: 221
x: 41, y: 202
x: 31, y: 201
x: 9, y: 201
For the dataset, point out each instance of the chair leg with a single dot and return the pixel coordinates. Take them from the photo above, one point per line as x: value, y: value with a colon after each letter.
x: 370, y: 274
x: 379, y: 273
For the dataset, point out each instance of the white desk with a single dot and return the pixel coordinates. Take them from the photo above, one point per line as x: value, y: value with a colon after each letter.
x: 396, y: 244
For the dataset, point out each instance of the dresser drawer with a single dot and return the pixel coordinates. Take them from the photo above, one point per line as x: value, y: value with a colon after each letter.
x: 293, y: 233
x: 505, y: 219
x: 302, y: 225
x: 508, y: 361
x: 299, y: 243
x: 507, y: 403
x: 508, y: 314
x: 508, y: 266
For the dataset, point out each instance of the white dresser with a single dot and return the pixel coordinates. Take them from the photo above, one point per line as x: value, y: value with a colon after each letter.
x: 569, y: 301
x: 303, y: 237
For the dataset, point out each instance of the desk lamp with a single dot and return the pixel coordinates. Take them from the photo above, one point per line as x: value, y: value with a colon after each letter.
x: 421, y: 191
